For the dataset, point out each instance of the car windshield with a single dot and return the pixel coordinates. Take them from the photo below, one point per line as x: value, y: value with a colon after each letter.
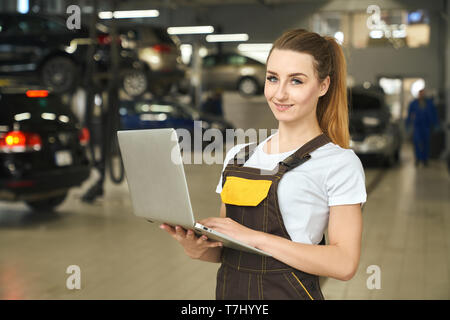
x: 362, y: 102
x: 18, y: 104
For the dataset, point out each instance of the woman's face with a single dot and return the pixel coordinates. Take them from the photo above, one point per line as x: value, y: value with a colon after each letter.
x: 292, y: 89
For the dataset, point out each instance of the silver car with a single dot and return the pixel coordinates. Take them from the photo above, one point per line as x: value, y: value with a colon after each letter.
x: 233, y: 71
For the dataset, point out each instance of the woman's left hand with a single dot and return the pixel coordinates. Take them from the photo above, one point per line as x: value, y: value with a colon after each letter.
x: 233, y: 229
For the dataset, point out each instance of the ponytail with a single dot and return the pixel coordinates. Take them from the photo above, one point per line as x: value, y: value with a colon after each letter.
x: 332, y: 108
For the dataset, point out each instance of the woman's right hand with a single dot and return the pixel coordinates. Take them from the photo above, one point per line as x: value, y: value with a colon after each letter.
x: 195, y: 247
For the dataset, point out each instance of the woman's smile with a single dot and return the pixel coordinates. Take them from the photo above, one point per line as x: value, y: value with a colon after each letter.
x: 282, y: 107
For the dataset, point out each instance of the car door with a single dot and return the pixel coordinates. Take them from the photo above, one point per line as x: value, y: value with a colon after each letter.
x: 211, y: 72
x: 230, y: 70
x: 24, y: 44
x: 7, y: 54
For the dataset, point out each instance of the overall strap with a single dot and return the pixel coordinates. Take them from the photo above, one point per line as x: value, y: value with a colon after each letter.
x: 302, y: 154
x: 248, y: 151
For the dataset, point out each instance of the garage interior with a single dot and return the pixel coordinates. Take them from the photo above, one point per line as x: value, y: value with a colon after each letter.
x: 406, y: 217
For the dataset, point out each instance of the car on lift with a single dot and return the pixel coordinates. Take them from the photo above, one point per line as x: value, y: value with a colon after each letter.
x: 232, y: 71
x: 158, y: 55
x: 374, y: 133
x: 38, y: 49
x: 42, y: 148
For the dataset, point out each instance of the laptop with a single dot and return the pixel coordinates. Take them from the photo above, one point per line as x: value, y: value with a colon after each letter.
x: 157, y: 183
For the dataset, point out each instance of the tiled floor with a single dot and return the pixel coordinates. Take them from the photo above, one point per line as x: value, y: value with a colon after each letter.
x: 406, y: 234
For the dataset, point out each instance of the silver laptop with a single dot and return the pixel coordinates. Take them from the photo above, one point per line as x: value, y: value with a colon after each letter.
x: 157, y: 184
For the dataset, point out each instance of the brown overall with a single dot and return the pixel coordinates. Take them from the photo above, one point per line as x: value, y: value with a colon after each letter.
x: 245, y: 275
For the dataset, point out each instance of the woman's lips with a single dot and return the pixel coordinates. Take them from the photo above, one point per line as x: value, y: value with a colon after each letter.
x: 282, y: 107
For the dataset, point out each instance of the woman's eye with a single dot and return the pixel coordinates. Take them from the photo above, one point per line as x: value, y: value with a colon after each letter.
x: 296, y: 81
x: 271, y: 79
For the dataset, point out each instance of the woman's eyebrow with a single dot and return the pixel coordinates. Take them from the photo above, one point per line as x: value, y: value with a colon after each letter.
x: 290, y: 75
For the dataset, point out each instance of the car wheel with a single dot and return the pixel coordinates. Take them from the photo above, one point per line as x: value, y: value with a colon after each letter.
x: 161, y: 89
x: 248, y: 87
x: 59, y: 73
x: 48, y: 204
x: 134, y: 82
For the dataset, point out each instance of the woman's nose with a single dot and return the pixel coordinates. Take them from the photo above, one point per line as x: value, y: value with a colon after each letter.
x: 281, y: 92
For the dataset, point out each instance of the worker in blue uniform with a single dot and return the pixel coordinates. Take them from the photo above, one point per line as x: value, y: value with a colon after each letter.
x: 422, y: 114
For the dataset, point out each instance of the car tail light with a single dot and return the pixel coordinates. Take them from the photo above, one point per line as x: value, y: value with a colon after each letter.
x: 18, y: 141
x: 162, y: 48
x: 37, y: 93
x: 105, y: 39
x: 84, y: 136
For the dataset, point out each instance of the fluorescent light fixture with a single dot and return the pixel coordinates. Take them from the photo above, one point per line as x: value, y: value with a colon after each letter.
x: 48, y: 116
x: 23, y: 6
x: 227, y: 37
x: 22, y: 116
x: 105, y: 15
x: 244, y: 47
x: 190, y: 30
x: 127, y: 14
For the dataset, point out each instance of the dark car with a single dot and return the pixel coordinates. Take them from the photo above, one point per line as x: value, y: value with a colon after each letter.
x: 42, y: 148
x: 374, y: 134
x: 168, y: 113
x: 42, y: 48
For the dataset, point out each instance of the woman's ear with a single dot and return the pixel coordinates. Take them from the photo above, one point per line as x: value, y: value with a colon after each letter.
x: 324, y: 85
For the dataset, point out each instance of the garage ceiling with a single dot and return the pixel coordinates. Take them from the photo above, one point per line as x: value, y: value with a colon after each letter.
x: 207, y: 3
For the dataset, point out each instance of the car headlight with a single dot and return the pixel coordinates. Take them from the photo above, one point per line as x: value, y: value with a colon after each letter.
x: 370, y: 121
x: 377, y: 142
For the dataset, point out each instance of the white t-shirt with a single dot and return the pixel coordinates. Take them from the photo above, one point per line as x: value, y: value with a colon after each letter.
x: 333, y: 176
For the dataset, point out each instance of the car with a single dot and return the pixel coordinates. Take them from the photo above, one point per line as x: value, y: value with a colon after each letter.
x: 234, y: 72
x: 159, y: 56
x: 167, y: 112
x: 374, y: 134
x: 39, y: 50
x: 42, y: 48
x: 42, y: 148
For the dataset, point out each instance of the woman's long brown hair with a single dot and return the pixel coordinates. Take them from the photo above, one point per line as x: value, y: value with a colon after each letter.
x: 332, y: 108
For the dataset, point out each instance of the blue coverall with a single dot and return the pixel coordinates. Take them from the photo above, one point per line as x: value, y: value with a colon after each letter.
x: 424, y: 119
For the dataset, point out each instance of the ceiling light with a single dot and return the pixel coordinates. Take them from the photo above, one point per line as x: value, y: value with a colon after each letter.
x: 190, y: 30
x: 254, y: 47
x: 227, y: 37
x: 128, y: 14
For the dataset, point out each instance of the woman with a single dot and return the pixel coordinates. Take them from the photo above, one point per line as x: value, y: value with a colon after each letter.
x: 296, y: 182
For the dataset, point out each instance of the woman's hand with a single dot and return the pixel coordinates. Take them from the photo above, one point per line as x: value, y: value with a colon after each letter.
x: 233, y: 229
x: 195, y: 247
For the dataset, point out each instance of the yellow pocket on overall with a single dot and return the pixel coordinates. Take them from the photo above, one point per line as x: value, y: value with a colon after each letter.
x: 244, y: 192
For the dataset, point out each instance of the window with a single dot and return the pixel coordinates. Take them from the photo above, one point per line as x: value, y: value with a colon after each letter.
x: 209, y: 61
x: 397, y: 28
x: 236, y: 60
x: 334, y: 24
x: 27, y: 25
x: 55, y: 27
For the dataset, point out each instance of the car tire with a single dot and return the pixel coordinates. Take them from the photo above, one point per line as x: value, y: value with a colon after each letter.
x: 134, y: 82
x: 59, y: 74
x: 161, y: 89
x: 47, y: 204
x: 248, y: 87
